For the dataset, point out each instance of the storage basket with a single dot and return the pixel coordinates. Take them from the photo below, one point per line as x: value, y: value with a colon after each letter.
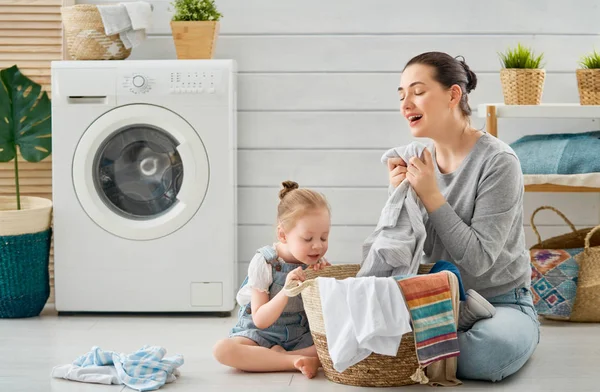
x: 374, y: 371
x: 588, y: 85
x: 85, y: 35
x: 566, y: 273
x: 522, y: 86
x: 25, y: 237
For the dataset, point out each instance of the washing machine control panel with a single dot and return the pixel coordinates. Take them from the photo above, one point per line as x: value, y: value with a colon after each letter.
x: 168, y: 82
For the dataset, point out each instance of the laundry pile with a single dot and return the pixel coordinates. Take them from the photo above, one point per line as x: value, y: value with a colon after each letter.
x: 144, y: 370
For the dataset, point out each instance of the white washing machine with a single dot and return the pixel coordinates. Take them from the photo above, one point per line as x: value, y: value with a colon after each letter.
x: 144, y: 185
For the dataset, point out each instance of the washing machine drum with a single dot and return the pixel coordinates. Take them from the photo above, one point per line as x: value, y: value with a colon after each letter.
x: 140, y: 171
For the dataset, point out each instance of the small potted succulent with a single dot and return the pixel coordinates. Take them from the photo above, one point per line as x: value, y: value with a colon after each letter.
x: 522, y: 76
x: 588, y: 79
x: 25, y: 233
x: 195, y: 27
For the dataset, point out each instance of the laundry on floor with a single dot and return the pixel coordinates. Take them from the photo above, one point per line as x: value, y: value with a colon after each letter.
x: 362, y: 316
x: 396, y: 245
x: 144, y: 370
x: 130, y: 20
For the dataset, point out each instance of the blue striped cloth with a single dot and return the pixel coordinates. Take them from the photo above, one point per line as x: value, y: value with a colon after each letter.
x: 144, y: 370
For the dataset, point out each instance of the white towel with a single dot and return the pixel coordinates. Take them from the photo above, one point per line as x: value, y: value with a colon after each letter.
x: 362, y: 316
x: 129, y: 20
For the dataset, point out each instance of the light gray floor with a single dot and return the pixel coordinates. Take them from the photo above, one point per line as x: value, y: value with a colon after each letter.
x: 566, y: 360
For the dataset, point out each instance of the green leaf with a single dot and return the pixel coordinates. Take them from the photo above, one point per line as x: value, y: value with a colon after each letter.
x: 195, y: 10
x: 24, y: 117
x: 521, y: 57
x: 590, y: 61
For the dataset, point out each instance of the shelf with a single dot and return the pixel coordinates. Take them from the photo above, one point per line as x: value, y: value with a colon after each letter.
x: 548, y: 110
x: 494, y: 111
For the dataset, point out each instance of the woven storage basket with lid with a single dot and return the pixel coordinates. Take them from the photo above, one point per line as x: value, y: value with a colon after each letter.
x: 374, y: 371
x: 85, y: 35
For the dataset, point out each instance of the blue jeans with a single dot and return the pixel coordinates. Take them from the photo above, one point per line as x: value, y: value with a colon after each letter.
x: 497, y: 347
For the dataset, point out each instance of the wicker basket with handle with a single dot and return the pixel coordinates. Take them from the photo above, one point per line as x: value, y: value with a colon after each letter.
x: 374, y: 371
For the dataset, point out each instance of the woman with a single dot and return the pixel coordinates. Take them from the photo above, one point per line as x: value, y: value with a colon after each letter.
x: 471, y: 185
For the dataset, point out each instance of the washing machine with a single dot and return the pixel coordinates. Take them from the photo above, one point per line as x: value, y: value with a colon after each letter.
x: 144, y: 185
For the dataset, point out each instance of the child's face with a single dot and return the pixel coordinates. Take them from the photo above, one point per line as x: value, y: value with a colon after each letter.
x: 308, y: 240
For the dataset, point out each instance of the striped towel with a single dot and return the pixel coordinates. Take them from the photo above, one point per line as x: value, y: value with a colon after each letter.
x: 429, y: 301
x: 144, y: 370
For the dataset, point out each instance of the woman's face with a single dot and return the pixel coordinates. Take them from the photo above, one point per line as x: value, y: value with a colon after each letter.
x: 424, y: 102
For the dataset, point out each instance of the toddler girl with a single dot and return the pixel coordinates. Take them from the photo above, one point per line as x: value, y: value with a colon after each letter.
x: 272, y: 332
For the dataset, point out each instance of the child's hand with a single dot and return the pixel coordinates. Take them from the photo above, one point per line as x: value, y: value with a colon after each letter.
x: 321, y: 264
x: 297, y: 274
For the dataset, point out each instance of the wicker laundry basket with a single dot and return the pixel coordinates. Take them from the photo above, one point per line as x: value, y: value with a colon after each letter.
x: 85, y: 35
x: 374, y: 371
x: 551, y: 281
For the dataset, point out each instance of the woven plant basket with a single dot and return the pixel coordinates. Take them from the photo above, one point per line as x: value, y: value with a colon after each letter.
x: 374, y: 371
x: 522, y: 86
x: 85, y: 35
x: 588, y: 85
x: 586, y: 307
x: 24, y: 253
x: 195, y: 39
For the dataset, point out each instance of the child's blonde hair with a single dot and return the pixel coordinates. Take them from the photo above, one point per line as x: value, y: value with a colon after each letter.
x: 295, y: 202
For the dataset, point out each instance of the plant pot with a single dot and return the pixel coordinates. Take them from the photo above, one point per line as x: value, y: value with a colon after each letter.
x: 24, y: 254
x: 195, y: 40
x: 588, y: 84
x: 522, y: 86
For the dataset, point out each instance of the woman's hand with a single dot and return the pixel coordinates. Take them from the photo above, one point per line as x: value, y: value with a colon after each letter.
x: 397, y: 171
x: 297, y: 274
x: 421, y: 175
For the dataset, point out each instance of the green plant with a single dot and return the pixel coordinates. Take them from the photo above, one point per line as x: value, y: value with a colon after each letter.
x: 195, y: 10
x: 24, y: 121
x: 521, y: 57
x: 590, y: 61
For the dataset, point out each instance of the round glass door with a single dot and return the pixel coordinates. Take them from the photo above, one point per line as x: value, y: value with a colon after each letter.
x: 140, y: 171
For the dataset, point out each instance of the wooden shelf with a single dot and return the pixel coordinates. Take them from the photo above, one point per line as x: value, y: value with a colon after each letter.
x: 493, y: 111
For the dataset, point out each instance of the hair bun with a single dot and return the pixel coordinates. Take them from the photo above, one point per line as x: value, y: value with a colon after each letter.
x: 288, y: 186
x: 471, y: 77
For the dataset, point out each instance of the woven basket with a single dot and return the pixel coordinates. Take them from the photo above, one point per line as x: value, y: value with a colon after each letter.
x: 25, y: 237
x: 586, y: 307
x: 374, y: 371
x: 588, y: 84
x: 85, y: 35
x: 522, y: 86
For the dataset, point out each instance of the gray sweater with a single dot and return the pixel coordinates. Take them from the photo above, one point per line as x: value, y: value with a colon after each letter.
x: 480, y: 228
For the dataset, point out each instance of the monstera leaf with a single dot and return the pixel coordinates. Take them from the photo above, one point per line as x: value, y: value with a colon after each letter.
x: 24, y: 120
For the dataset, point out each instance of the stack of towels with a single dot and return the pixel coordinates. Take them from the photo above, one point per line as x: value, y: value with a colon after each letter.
x: 130, y: 20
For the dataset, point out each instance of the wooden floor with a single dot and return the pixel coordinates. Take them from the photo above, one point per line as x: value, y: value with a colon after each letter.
x: 567, y: 358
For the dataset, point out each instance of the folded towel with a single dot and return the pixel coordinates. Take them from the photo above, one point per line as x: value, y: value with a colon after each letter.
x: 144, y: 370
x: 430, y: 302
x: 362, y: 316
x: 129, y: 20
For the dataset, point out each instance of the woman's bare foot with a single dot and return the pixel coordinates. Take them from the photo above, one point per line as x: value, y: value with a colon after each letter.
x: 309, y: 366
x: 278, y: 349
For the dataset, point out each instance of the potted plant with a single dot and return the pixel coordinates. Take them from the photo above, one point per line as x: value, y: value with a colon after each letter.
x: 195, y: 26
x: 588, y: 79
x: 522, y: 76
x: 25, y: 233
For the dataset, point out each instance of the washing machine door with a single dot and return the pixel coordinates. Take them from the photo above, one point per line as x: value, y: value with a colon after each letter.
x: 140, y: 171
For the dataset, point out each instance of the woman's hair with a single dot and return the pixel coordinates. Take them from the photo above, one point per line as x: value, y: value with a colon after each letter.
x: 449, y: 71
x: 295, y: 202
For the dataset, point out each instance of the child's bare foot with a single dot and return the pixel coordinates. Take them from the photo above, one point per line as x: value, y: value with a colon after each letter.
x: 309, y: 366
x: 278, y: 349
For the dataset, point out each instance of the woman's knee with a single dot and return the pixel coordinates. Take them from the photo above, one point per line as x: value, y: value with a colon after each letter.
x: 498, y: 347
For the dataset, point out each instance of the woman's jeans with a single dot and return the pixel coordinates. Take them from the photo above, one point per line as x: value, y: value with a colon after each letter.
x: 499, y: 346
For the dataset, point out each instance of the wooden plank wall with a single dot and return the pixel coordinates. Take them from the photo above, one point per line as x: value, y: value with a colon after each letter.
x: 31, y: 37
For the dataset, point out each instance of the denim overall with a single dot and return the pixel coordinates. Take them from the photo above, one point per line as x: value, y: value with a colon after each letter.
x: 291, y: 330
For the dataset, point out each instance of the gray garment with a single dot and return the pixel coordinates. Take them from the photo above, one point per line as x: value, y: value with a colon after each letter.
x: 396, y: 245
x: 480, y: 227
